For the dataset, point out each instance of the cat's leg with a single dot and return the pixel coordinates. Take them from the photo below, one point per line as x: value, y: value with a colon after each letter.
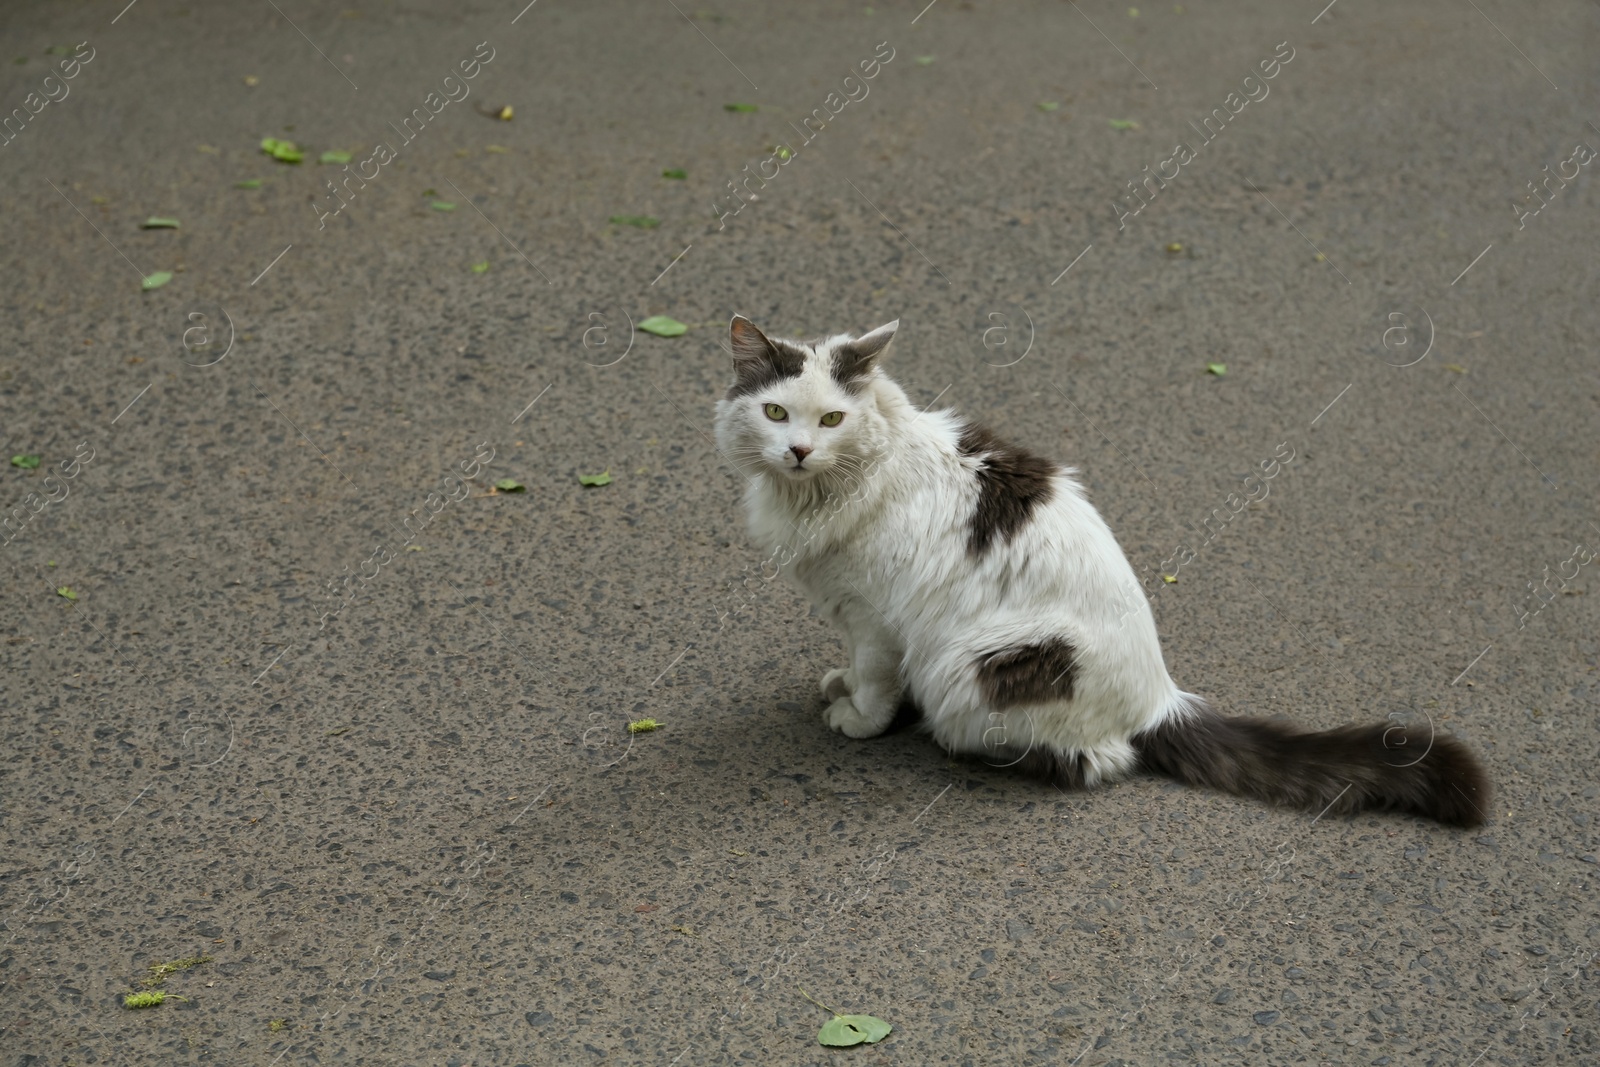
x: 869, y: 707
x: 841, y: 681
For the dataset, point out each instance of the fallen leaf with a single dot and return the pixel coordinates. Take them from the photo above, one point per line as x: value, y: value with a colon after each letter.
x: 1170, y: 579
x: 282, y: 151
x: 442, y: 205
x: 251, y: 80
x: 156, y: 280
x: 27, y: 462
x: 1458, y: 368
x: 510, y: 485
x: 844, y: 1030
x: 1174, y: 248
x: 67, y: 591
x: 740, y: 107
x: 1123, y: 124
x: 1048, y: 105
x: 156, y: 222
x: 604, y: 478
x: 1219, y: 369
x: 497, y: 149
x: 676, y: 173
x: 333, y: 155
x: 923, y: 61
x: 662, y: 326
x: 644, y: 222
x: 479, y: 268
x: 248, y: 183
x: 504, y: 114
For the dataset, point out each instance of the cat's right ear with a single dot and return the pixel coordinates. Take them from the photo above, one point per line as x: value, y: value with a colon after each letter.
x: 753, y: 354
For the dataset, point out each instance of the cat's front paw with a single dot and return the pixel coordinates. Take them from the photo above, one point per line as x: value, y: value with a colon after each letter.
x: 843, y: 717
x: 840, y: 682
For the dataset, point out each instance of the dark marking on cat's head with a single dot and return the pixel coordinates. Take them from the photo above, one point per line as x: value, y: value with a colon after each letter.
x: 1011, y: 484
x: 854, y: 361
x: 1036, y: 673
x: 758, y: 361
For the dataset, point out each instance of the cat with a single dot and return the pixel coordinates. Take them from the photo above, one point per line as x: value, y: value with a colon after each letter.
x: 975, y: 581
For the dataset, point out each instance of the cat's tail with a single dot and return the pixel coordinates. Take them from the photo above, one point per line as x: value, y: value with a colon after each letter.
x: 1345, y: 770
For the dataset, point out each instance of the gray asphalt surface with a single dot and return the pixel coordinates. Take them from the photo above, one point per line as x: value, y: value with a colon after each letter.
x: 380, y: 773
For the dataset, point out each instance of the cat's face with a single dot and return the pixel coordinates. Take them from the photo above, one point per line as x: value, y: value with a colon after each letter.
x: 798, y: 411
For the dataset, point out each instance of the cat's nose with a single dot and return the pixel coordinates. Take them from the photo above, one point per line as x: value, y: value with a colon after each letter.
x: 800, y: 453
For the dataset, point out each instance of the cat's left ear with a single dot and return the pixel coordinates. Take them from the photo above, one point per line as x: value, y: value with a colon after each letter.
x: 857, y: 358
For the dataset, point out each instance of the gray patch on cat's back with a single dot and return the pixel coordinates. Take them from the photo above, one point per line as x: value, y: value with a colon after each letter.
x: 1035, y: 673
x: 1011, y: 484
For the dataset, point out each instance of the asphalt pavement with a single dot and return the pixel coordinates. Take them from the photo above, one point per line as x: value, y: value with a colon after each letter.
x: 356, y: 512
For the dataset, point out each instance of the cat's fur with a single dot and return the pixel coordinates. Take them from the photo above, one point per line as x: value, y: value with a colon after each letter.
x: 977, y: 581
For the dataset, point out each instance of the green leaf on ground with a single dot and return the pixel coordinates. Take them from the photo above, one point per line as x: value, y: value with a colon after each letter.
x: 442, y: 205
x: 333, y: 155
x: 677, y: 173
x: 282, y: 151
x: 923, y: 61
x: 644, y: 222
x: 479, y: 268
x: 248, y: 183
x: 1123, y: 124
x: 157, y: 222
x: 68, y: 592
x: 740, y: 107
x: 595, y: 479
x: 662, y: 326
x: 510, y: 485
x: 1219, y: 369
x: 150, y: 998
x: 27, y: 461
x: 156, y: 280
x: 497, y: 149
x: 1174, y: 248
x: 853, y: 1030
x: 1048, y: 105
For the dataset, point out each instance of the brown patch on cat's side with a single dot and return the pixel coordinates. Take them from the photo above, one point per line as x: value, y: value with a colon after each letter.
x: 1028, y: 674
x: 1381, y: 766
x: 1011, y: 484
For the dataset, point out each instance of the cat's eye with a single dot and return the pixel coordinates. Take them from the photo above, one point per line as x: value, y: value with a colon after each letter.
x: 833, y: 418
x: 776, y: 413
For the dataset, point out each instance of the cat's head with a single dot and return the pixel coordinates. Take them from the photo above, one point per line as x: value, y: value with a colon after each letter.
x: 798, y: 411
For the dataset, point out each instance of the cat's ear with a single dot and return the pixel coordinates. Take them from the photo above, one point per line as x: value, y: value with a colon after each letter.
x: 751, y: 349
x: 855, y: 359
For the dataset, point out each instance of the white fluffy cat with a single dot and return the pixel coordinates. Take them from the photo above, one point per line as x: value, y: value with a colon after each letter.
x: 977, y: 581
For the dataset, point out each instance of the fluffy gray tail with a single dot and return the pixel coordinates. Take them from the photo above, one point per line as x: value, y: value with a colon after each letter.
x: 1349, y: 769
